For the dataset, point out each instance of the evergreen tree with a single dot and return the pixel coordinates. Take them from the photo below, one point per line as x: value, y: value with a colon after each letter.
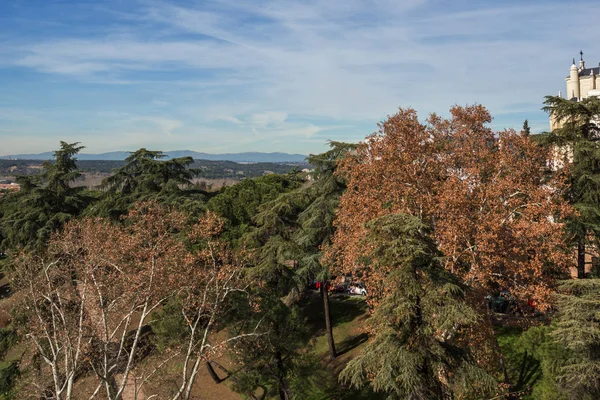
x: 147, y: 176
x: 526, y: 129
x: 538, y: 343
x: 291, y: 230
x: 272, y: 361
x: 44, y: 203
x: 578, y: 330
x: 240, y: 203
x: 315, y: 223
x: 286, y: 242
x: 578, y: 140
x: 417, y: 351
x: 272, y: 246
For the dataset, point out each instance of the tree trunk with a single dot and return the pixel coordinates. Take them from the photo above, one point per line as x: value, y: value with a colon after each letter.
x: 580, y: 259
x: 328, y: 327
x: 281, y: 387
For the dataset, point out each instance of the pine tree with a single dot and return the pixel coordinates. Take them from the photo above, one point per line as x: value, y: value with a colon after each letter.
x: 578, y: 329
x: 45, y: 202
x: 526, y: 131
x: 578, y: 138
x: 146, y: 176
x: 316, y: 228
x: 239, y: 204
x: 292, y: 230
x: 417, y: 350
x: 272, y: 361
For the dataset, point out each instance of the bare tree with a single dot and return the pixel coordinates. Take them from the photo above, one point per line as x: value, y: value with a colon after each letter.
x: 89, y: 301
x: 57, y: 325
x: 215, y: 277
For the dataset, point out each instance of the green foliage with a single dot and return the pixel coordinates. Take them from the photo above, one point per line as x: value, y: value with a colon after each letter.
x: 9, y: 372
x: 416, y: 352
x: 44, y: 203
x: 147, y: 177
x: 315, y: 222
x: 533, y: 360
x: 168, y: 326
x: 291, y: 230
x: 8, y: 338
x: 313, y: 381
x: 526, y: 129
x: 239, y: 203
x: 278, y: 357
x: 538, y: 342
x: 578, y: 330
x: 580, y: 134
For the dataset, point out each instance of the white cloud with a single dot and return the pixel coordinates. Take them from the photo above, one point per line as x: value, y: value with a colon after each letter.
x: 260, y: 65
x: 268, y: 118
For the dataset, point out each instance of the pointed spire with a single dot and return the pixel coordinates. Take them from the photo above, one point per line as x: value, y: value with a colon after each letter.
x: 581, y: 55
x: 573, y: 60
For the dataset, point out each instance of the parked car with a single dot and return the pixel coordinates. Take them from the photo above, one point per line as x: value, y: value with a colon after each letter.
x: 338, y: 288
x: 357, y: 288
x: 504, y: 303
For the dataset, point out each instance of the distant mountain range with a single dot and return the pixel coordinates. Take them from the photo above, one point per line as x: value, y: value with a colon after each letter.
x: 121, y: 155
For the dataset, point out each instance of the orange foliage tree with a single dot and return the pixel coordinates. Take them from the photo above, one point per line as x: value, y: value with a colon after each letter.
x: 88, y: 300
x: 494, y: 211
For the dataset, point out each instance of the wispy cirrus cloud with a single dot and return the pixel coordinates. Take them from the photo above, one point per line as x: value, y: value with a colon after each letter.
x: 276, y: 69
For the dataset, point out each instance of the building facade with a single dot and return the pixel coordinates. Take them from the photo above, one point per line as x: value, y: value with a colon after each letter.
x: 582, y: 82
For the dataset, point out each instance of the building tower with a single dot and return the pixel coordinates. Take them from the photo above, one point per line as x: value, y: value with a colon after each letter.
x: 582, y: 82
x: 573, y: 83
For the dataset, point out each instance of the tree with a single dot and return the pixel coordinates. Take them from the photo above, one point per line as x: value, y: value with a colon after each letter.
x: 89, y: 298
x: 315, y: 223
x: 238, y: 204
x: 526, y: 131
x: 576, y: 141
x: 578, y: 330
x: 291, y: 230
x: 417, y: 351
x: 146, y: 177
x: 494, y: 212
x: 210, y: 293
x: 44, y: 203
x: 276, y: 357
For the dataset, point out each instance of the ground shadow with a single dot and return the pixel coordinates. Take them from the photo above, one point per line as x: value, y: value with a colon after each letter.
x: 351, y: 343
x: 343, y: 309
x: 5, y: 290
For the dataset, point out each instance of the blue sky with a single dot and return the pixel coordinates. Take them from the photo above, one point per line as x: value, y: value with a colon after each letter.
x: 271, y: 75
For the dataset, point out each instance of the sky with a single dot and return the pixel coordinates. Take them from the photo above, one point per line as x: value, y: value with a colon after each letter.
x: 268, y: 75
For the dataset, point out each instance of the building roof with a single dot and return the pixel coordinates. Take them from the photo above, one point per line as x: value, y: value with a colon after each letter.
x: 588, y: 71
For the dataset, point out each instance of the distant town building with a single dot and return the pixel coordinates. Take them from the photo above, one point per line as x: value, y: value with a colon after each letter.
x: 9, y: 187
